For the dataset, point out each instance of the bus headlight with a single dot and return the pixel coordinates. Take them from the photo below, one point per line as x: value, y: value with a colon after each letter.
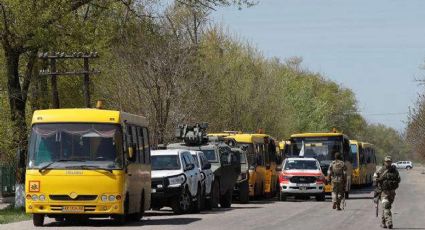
x: 34, y: 197
x: 104, y: 198
x: 177, y: 180
x: 111, y: 198
x: 42, y: 197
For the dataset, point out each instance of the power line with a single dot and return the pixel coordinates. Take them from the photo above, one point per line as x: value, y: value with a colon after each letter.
x: 383, y: 114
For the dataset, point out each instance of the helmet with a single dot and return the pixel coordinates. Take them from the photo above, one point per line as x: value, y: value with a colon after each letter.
x: 388, y: 159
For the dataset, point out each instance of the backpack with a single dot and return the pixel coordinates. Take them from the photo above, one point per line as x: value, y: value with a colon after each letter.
x: 390, y: 180
x: 338, y: 171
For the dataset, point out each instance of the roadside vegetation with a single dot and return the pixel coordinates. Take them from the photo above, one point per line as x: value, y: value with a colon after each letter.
x: 172, y: 65
x: 11, y: 214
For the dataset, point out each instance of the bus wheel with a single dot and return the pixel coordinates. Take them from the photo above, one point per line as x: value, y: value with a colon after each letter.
x: 244, y: 192
x: 182, y: 203
x: 226, y: 199
x: 38, y: 219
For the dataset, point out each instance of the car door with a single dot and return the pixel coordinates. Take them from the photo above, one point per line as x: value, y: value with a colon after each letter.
x: 190, y: 174
x: 209, y: 176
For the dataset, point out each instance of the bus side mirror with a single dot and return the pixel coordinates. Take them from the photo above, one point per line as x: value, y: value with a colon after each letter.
x: 20, y: 158
x: 130, y: 152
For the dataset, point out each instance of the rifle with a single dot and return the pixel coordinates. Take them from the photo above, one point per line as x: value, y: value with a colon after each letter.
x: 376, y: 198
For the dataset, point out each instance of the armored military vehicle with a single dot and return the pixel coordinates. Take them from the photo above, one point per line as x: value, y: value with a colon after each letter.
x: 225, y: 163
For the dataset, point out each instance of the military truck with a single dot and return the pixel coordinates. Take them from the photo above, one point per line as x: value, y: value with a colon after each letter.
x: 225, y: 163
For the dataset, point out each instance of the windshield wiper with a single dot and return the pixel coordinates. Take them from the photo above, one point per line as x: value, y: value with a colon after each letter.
x: 42, y: 169
x: 90, y: 167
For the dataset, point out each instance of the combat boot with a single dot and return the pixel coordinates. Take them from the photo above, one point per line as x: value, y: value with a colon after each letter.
x: 383, y: 225
x: 390, y: 226
x: 339, y: 208
x: 334, y: 206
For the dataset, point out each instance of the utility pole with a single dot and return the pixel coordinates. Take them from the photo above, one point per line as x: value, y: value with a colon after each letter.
x: 52, y: 58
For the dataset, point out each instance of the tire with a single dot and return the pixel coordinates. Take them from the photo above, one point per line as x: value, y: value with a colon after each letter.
x: 320, y: 197
x: 408, y: 167
x: 204, y: 199
x: 197, y: 204
x: 38, y: 220
x: 282, y: 197
x: 183, y: 203
x: 226, y: 199
x: 215, y: 196
x: 244, y: 193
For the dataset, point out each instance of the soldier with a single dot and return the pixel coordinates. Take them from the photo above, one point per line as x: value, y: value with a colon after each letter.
x: 337, y: 174
x: 386, y: 180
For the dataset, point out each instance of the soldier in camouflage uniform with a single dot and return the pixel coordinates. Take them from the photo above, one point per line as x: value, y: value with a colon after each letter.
x: 386, y: 180
x: 337, y: 174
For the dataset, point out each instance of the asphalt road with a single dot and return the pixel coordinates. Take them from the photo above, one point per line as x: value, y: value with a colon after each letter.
x: 408, y: 213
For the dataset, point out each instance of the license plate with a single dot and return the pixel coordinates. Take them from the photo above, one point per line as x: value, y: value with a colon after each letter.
x: 73, y: 209
x: 153, y: 190
x: 303, y: 185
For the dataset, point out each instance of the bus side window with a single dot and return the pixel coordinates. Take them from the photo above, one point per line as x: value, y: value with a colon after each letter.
x: 135, y: 144
x: 146, y: 146
x: 129, y: 142
x: 141, y: 152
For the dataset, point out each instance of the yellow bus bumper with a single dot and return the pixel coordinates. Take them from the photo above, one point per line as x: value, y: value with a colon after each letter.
x: 86, y: 208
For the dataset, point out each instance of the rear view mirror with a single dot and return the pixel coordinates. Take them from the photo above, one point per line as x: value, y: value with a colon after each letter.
x: 279, y: 168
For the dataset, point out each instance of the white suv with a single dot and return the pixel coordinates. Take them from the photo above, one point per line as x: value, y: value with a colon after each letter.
x: 207, y: 177
x: 403, y: 164
x: 176, y: 181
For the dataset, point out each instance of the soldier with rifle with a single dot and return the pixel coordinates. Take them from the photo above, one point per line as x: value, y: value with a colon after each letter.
x: 337, y: 173
x: 386, y: 180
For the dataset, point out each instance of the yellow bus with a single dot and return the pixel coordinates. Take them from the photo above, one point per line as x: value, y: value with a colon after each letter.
x: 86, y: 163
x: 323, y: 146
x: 368, y: 159
x: 364, y: 163
x: 359, y: 168
x: 262, y: 160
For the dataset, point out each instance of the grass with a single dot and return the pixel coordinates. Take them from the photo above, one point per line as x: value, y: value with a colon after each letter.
x: 12, y: 214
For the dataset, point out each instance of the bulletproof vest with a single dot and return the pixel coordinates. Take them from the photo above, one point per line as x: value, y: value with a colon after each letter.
x: 390, y: 179
x: 338, y: 171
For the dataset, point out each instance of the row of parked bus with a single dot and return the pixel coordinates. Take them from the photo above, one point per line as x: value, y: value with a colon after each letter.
x: 100, y: 163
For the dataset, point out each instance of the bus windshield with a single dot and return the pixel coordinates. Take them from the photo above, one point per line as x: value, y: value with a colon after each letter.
x: 70, y: 145
x: 165, y: 162
x: 320, y: 148
x: 354, y: 153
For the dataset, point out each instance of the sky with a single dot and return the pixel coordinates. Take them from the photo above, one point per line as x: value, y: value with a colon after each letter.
x: 376, y: 48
